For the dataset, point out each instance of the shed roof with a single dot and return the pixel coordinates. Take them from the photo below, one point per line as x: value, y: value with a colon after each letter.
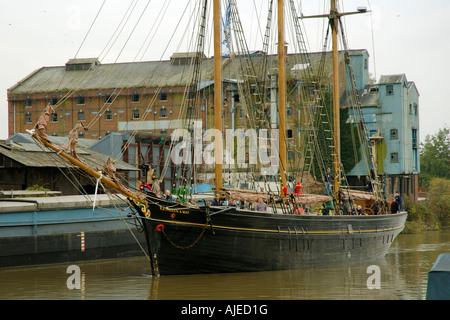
x: 370, y: 96
x: 26, y: 138
x: 412, y: 85
x: 33, y: 155
x: 392, y: 78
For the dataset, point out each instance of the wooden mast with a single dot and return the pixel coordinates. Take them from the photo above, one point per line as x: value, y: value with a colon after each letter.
x: 336, y: 119
x: 282, y: 94
x: 218, y: 143
x: 334, y: 17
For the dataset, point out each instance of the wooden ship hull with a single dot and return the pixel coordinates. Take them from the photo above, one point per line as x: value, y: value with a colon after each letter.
x: 185, y: 240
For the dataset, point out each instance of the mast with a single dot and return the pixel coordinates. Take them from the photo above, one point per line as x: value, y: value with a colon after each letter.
x: 218, y: 143
x: 336, y: 119
x: 282, y: 94
x: 334, y: 18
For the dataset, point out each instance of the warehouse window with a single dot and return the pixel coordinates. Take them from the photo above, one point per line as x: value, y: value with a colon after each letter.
x: 163, y: 113
x: 414, y: 139
x: 136, y: 113
x: 394, y: 157
x: 28, y: 117
x: 389, y: 89
x: 135, y: 97
x: 394, y: 134
x: 81, y: 100
x: 81, y: 115
x: 107, y: 98
x: 289, y: 133
x: 289, y: 112
x: 28, y: 102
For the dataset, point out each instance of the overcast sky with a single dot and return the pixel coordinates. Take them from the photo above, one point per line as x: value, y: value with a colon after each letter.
x: 401, y: 36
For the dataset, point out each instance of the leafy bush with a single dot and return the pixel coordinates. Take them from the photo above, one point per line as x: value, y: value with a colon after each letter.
x: 38, y: 188
x: 433, y: 213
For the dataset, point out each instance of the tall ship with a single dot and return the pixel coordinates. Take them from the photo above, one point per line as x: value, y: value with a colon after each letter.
x: 278, y: 224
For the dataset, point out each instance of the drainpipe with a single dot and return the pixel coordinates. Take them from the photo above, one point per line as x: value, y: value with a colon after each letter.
x: 273, y: 99
x: 233, y: 111
x: 14, y: 117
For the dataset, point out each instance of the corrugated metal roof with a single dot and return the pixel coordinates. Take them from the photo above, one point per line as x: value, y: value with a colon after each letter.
x: 33, y: 155
x: 370, y: 96
x: 120, y: 75
x: 392, y: 78
x: 145, y: 74
x: 26, y: 138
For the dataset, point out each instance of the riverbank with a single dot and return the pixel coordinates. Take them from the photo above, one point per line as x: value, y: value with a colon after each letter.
x: 433, y: 213
x: 424, y: 216
x: 414, y: 227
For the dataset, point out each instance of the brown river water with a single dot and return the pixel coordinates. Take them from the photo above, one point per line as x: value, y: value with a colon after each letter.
x: 401, y: 275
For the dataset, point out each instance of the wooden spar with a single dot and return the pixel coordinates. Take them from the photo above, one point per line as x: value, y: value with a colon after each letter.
x: 85, y: 168
x: 282, y: 94
x: 334, y: 17
x: 218, y: 143
x: 336, y: 119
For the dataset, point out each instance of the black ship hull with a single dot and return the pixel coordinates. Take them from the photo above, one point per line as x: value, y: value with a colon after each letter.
x: 219, y: 239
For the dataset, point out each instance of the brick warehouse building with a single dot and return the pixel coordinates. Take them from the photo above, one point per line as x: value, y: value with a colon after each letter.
x: 125, y: 90
x: 115, y: 94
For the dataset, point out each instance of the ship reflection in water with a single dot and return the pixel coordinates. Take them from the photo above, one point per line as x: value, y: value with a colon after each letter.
x: 402, y: 274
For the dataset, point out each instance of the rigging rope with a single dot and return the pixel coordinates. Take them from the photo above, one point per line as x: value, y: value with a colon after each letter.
x: 92, y: 24
x: 118, y: 26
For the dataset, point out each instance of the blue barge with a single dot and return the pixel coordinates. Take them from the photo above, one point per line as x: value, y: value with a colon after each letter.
x: 65, y: 229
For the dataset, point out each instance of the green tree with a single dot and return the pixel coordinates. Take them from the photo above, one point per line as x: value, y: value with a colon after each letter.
x: 435, y: 157
x: 432, y: 213
x: 439, y: 200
